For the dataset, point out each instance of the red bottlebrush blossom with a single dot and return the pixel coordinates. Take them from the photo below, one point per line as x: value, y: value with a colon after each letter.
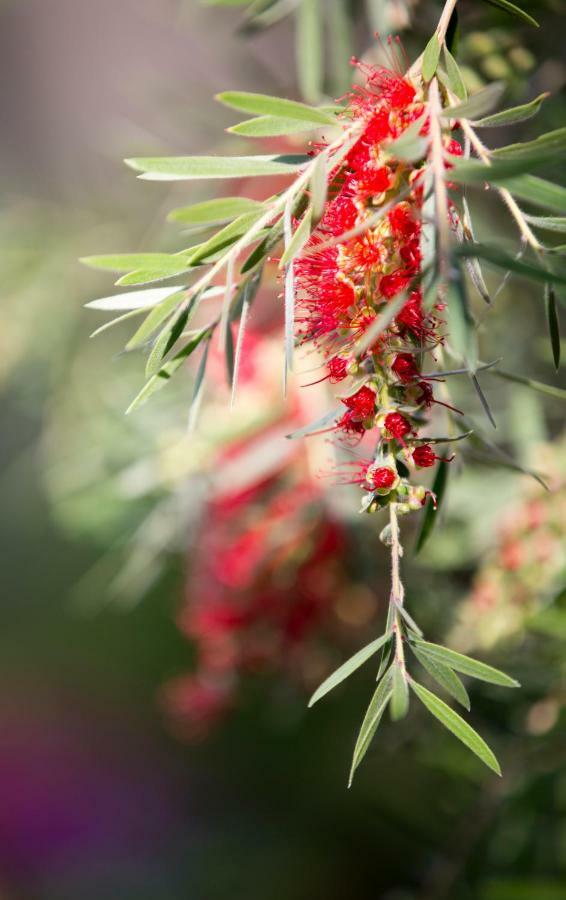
x: 362, y: 403
x: 397, y: 426
x: 424, y: 456
x: 382, y: 477
x: 345, y: 280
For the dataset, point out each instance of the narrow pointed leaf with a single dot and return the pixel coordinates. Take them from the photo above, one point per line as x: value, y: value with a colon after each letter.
x: 513, y: 10
x: 298, y: 240
x: 483, y: 400
x: 553, y: 323
x: 513, y: 115
x: 400, y: 694
x: 264, y: 105
x: 198, y: 389
x: 107, y: 325
x: 476, y: 105
x: 134, y: 300
x: 165, y: 340
x: 319, y: 186
x: 431, y: 512
x: 213, y: 212
x: 461, y: 325
x: 466, y: 664
x: 549, y: 389
x: 347, y: 668
x: 309, y: 49
x: 371, y: 720
x: 455, y: 80
x: 328, y: 419
x: 175, y: 266
x: 503, y: 260
x: 226, y: 236
x: 459, y: 728
x: 431, y: 56
x: 538, y: 191
x: 167, y: 370
x: 187, y: 168
x: 549, y: 223
x: 155, y: 318
x: 127, y: 262
x: 272, y: 126
x: 444, y: 676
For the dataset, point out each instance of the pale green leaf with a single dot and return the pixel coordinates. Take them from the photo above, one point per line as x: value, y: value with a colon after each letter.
x: 548, y: 223
x: 454, y: 723
x: 479, y: 103
x: 371, y: 720
x: 466, y: 664
x: 400, y: 694
x: 264, y: 105
x: 538, y: 191
x: 512, y: 115
x: 134, y: 300
x: 347, y: 668
x: 186, y: 168
x: 127, y: 262
x: 158, y: 381
x: 431, y: 56
x: 514, y: 11
x: 454, y: 76
x: 298, y: 240
x: 213, y: 212
x: 503, y: 260
x: 155, y: 318
x: 272, y: 126
x: 549, y: 389
x: 309, y: 49
x: 444, y: 675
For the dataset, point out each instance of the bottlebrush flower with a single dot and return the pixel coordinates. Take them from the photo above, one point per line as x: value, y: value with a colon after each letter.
x: 345, y: 280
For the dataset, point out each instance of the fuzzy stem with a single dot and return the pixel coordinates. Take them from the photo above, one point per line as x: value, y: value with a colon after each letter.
x: 396, y: 597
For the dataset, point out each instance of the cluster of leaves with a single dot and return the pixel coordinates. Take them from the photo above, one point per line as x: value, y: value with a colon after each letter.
x: 249, y: 231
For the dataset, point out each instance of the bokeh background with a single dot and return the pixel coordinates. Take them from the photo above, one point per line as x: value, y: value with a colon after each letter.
x: 121, y: 775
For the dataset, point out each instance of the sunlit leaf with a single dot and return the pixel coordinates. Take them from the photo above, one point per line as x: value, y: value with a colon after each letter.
x: 400, y: 694
x: 158, y: 381
x: 454, y: 76
x: 431, y: 56
x: 264, y: 105
x: 186, y: 168
x: 140, y: 300
x: 213, y: 212
x: 272, y: 126
x: 456, y: 724
x: 309, y: 50
x: 127, y: 262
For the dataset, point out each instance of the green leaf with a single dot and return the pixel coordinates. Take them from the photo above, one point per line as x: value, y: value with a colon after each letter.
x: 198, y: 389
x: 455, y: 80
x: 187, y: 168
x: 461, y: 325
x: 263, y: 248
x: 503, y: 260
x: 158, y: 381
x: 466, y: 664
x: 371, y: 720
x: 155, y: 318
x: 513, y: 10
x: 264, y: 105
x: 553, y: 323
x: 538, y: 191
x: 444, y: 675
x: 102, y: 328
x: 400, y: 695
x: 431, y: 56
x: 347, y: 668
x: 431, y: 509
x: 549, y: 389
x: 127, y: 262
x: 479, y: 103
x: 299, y: 239
x: 309, y: 50
x: 483, y: 399
x: 319, y: 186
x: 166, y: 339
x: 272, y: 126
x: 549, y: 223
x: 512, y: 115
x: 226, y: 236
x: 176, y: 266
x: 134, y: 300
x: 539, y: 151
x: 456, y: 724
x: 213, y: 212
x: 472, y: 171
